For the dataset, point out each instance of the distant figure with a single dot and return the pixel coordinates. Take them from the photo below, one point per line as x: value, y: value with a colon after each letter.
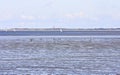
x: 90, y: 40
x: 31, y: 40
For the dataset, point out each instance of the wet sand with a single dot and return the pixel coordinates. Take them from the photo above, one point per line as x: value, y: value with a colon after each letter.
x: 60, y: 56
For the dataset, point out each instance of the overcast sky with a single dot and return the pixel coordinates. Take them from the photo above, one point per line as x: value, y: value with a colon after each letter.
x: 59, y: 13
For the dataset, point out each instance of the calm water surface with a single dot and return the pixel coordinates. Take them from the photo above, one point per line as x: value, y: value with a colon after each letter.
x: 58, y: 33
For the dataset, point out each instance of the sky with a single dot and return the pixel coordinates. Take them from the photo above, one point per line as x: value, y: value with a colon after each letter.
x: 59, y: 14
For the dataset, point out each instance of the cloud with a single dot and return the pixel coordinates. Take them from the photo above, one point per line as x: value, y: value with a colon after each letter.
x: 43, y: 17
x: 26, y: 23
x: 24, y: 17
x: 116, y: 16
x: 76, y: 15
x: 82, y: 15
x: 6, y: 17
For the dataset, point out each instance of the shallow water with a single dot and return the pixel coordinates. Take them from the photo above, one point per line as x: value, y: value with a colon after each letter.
x: 59, y: 56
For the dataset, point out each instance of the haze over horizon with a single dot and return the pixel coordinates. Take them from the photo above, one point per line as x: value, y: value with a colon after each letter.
x: 59, y: 14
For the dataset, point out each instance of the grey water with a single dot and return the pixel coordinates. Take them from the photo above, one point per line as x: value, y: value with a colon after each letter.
x: 58, y: 33
x: 59, y: 55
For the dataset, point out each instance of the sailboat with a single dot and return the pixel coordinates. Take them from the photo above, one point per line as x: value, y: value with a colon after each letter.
x: 61, y: 30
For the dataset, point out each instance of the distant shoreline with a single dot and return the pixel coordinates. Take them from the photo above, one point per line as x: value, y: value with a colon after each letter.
x: 60, y: 29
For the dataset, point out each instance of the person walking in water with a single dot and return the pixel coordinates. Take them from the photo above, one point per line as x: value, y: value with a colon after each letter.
x: 31, y: 40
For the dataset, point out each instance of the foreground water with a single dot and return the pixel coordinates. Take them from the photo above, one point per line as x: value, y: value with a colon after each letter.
x: 59, y: 55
